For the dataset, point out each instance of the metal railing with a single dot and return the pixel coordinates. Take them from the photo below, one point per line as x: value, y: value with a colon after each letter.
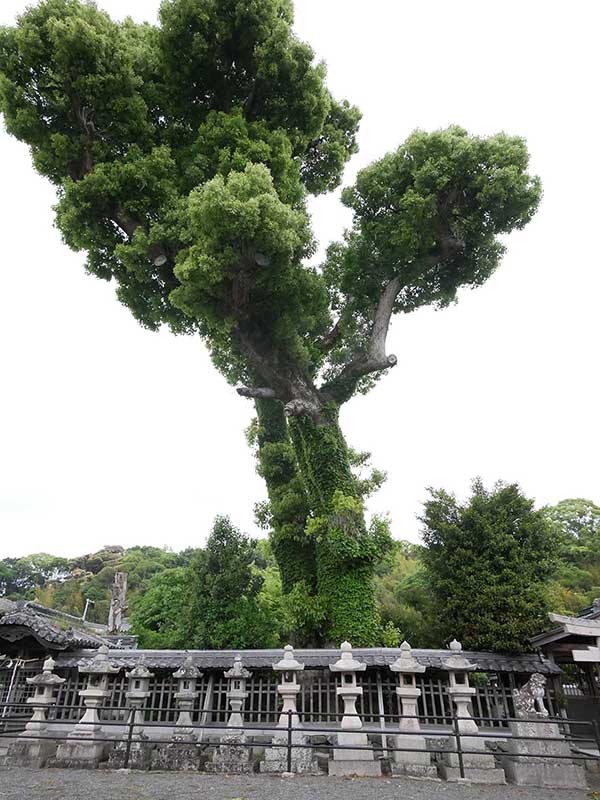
x: 283, y: 737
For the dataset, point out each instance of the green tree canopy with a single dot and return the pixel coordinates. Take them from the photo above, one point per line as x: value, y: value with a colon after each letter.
x: 488, y: 562
x: 19, y: 577
x: 223, y: 604
x: 183, y: 155
x: 578, y: 524
x: 157, y: 616
x: 577, y: 581
x: 404, y: 597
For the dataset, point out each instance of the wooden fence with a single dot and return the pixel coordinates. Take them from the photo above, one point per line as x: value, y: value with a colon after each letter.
x: 317, y: 698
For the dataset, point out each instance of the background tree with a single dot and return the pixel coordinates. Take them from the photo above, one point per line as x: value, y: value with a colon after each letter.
x: 20, y: 577
x: 157, y: 614
x: 65, y: 584
x: 577, y: 580
x: 223, y: 606
x: 233, y: 587
x: 159, y: 590
x: 403, y: 594
x: 488, y: 561
x: 578, y: 524
x: 183, y: 155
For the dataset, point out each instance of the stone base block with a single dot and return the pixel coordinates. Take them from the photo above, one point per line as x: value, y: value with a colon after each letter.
x: 348, y: 740
x: 415, y: 751
x: 477, y: 757
x: 412, y: 763
x: 361, y: 769
x: 30, y: 753
x: 544, y: 738
x: 470, y: 760
x: 478, y: 767
x: 80, y: 755
x: 140, y: 755
x: 548, y: 774
x: 181, y: 757
x: 472, y: 775
x: 276, y: 759
x: 231, y: 757
x: 406, y: 770
x: 303, y: 761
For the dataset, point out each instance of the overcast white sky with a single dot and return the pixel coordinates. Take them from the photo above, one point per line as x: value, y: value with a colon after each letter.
x: 111, y: 434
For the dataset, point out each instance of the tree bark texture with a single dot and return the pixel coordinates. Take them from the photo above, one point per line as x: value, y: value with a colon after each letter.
x: 345, y: 550
x: 293, y: 550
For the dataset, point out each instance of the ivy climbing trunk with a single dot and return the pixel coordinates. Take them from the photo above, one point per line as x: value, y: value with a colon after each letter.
x: 288, y: 500
x: 345, y: 550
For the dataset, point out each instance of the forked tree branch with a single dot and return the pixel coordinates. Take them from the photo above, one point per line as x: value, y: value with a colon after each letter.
x: 126, y: 221
x: 129, y: 225
x: 375, y: 358
x: 260, y: 393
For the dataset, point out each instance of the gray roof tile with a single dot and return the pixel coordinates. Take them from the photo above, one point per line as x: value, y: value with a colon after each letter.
x: 316, y: 659
x: 49, y: 634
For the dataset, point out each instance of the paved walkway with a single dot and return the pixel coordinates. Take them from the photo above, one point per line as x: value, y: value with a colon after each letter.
x: 54, y: 784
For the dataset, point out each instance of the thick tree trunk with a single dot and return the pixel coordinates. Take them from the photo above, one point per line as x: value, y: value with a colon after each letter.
x: 345, y: 551
x: 293, y: 550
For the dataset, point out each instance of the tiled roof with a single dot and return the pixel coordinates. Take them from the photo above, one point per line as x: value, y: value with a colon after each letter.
x: 314, y: 659
x: 591, y: 612
x: 47, y: 633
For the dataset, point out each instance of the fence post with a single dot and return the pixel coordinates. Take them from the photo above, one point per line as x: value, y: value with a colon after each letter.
x: 129, y: 738
x: 289, y: 741
x: 459, y: 752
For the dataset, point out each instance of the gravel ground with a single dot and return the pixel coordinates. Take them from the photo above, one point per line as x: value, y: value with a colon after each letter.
x: 54, y: 784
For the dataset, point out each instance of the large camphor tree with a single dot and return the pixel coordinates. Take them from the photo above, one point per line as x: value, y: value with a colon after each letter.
x: 183, y: 155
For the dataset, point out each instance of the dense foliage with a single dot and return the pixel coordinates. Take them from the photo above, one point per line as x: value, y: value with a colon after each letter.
x: 488, y: 562
x: 223, y: 607
x: 195, y: 596
x: 66, y: 584
x: 183, y: 155
x: 158, y: 613
x: 577, y: 526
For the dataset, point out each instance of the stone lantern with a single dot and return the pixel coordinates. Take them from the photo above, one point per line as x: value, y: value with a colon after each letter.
x: 136, y: 751
x: 182, y: 753
x: 417, y: 764
x: 137, y: 693
x: 460, y: 691
x: 236, y: 691
x: 82, y: 746
x: 276, y: 756
x: 479, y: 767
x: 288, y: 669
x: 46, y: 683
x: 233, y: 754
x: 36, y: 752
x: 348, y: 761
x: 187, y: 677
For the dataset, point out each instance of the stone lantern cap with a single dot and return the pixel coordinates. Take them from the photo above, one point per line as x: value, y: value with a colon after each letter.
x: 407, y: 662
x: 98, y: 665
x: 47, y: 677
x: 347, y: 662
x: 456, y: 662
x: 288, y: 663
x: 188, y: 670
x: 139, y: 671
x: 238, y: 670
